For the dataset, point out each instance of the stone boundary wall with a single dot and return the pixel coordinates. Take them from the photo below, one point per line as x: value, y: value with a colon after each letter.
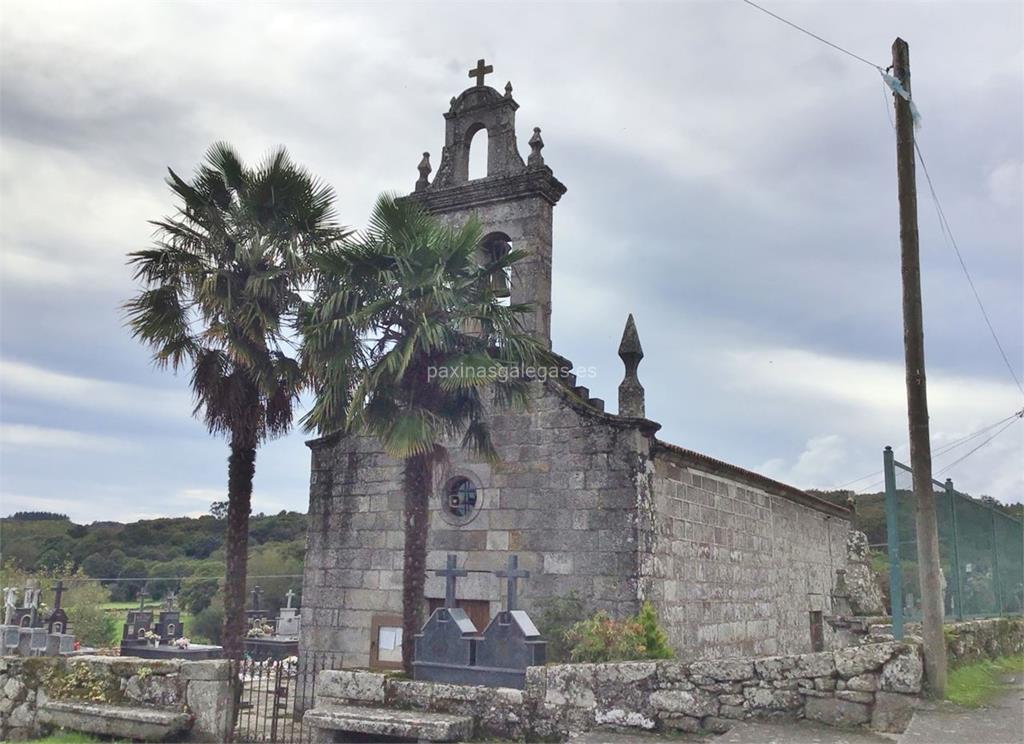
x: 874, y: 685
x: 984, y: 639
x: 200, y: 688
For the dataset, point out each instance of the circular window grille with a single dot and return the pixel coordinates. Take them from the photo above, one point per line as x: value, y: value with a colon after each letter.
x: 461, y: 498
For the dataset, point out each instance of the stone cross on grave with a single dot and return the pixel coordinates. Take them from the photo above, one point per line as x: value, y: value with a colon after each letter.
x: 256, y: 592
x: 450, y: 573
x: 58, y: 591
x: 289, y: 595
x: 143, y: 593
x: 512, y: 574
x: 480, y: 71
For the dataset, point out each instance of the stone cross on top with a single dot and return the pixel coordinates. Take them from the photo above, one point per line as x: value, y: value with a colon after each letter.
x: 480, y: 71
x: 450, y: 573
x: 58, y: 591
x: 256, y: 592
x: 143, y: 593
x: 289, y: 595
x: 512, y: 574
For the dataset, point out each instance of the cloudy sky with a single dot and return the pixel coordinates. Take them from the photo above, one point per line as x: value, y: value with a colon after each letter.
x: 731, y: 182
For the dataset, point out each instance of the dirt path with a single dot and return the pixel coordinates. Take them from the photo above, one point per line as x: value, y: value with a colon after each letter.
x: 999, y: 722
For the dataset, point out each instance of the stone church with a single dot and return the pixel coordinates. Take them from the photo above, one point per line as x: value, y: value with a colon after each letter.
x: 592, y: 502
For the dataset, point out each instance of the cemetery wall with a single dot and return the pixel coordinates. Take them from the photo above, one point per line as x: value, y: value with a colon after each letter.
x: 737, y: 565
x: 873, y: 685
x: 974, y: 640
x: 201, y: 689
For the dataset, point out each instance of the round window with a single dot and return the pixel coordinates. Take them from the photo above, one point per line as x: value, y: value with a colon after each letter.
x: 460, y: 501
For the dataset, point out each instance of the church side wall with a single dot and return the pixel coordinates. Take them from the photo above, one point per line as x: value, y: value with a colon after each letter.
x: 737, y: 570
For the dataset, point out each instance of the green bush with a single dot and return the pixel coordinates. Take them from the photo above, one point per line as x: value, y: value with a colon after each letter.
x: 554, y: 619
x: 655, y: 640
x: 601, y: 638
x: 207, y: 625
x: 90, y: 624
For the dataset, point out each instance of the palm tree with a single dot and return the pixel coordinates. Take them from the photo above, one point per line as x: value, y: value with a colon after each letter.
x: 436, y: 349
x: 222, y: 293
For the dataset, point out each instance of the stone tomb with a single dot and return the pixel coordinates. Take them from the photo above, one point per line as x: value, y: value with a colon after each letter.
x: 284, y: 641
x: 288, y: 618
x: 136, y: 625
x: 21, y: 635
x: 450, y: 649
x: 57, y: 620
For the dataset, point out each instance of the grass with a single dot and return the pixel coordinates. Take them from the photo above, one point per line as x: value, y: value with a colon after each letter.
x: 69, y: 737
x: 972, y: 685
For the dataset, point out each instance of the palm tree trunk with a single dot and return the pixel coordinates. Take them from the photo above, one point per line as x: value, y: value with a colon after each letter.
x: 241, y: 466
x: 418, y: 477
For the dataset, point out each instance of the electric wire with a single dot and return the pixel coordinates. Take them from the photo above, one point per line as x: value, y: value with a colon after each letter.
x: 944, y: 449
x: 813, y: 35
x: 947, y: 233
x: 943, y: 222
x: 971, y: 452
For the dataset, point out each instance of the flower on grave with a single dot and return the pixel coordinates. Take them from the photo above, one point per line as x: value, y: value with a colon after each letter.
x: 258, y: 630
x: 181, y: 642
x: 149, y: 635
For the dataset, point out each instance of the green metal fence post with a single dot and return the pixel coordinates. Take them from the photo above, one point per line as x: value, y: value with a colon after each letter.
x: 893, y: 537
x: 952, y: 495
x: 995, y: 560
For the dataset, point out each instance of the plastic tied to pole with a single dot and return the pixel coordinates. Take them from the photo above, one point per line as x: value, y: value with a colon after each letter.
x: 897, y: 87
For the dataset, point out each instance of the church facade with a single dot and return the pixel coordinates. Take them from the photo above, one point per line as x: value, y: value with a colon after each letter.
x: 591, y: 502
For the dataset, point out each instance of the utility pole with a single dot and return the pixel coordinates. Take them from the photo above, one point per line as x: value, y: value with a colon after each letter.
x: 917, y: 395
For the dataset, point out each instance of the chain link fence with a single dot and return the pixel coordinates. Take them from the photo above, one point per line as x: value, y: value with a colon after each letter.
x: 981, y: 551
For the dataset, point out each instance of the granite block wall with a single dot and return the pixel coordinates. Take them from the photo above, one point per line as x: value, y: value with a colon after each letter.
x: 201, y: 690
x: 737, y: 570
x: 873, y: 685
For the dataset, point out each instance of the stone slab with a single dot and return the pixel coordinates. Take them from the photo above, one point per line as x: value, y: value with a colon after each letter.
x: 409, y: 724
x: 146, y: 724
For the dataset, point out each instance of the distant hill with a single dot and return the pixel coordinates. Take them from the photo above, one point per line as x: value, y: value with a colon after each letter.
x: 126, y: 556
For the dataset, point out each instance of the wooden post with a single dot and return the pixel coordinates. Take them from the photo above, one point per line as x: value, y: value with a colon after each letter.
x: 917, y: 397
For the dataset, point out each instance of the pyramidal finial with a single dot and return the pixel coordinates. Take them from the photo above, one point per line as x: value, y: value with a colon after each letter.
x: 630, y: 344
x: 631, y: 392
x: 508, y: 89
x: 424, y: 169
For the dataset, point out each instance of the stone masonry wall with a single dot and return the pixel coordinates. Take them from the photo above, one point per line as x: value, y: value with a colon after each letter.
x: 874, y: 685
x: 737, y: 570
x: 563, y: 498
x: 201, y: 688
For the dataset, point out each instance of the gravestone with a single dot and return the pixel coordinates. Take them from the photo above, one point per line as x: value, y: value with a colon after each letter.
x: 288, y: 617
x: 57, y: 621
x: 10, y: 604
x: 11, y: 636
x: 168, y: 626
x: 60, y: 644
x: 511, y: 642
x: 255, y: 613
x: 136, y: 625
x: 27, y: 616
x: 449, y: 649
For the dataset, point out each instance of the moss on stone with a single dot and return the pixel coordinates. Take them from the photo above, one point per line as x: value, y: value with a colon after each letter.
x: 77, y: 681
